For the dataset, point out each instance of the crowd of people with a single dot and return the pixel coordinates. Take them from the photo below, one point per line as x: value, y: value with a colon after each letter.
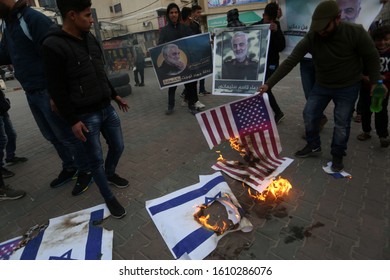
x: 70, y: 95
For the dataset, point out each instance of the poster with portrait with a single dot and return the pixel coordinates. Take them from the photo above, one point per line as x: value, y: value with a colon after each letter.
x: 240, y: 56
x: 297, y: 14
x: 183, y: 60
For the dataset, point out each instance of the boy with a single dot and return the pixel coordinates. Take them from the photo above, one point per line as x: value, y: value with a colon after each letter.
x: 381, y: 37
x: 80, y: 88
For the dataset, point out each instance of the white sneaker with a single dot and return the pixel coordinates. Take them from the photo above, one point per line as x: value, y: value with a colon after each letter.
x: 199, y: 105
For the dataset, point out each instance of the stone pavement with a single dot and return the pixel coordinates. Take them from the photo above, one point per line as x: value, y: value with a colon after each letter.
x: 321, y: 218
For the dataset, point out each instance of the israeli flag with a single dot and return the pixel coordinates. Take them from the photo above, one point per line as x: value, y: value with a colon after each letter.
x: 71, y: 237
x: 173, y: 215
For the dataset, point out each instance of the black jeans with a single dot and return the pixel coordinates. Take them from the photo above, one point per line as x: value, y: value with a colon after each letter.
x: 381, y: 118
x: 272, y: 101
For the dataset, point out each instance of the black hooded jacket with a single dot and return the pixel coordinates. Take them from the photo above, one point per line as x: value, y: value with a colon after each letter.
x: 75, y: 72
x: 172, y: 31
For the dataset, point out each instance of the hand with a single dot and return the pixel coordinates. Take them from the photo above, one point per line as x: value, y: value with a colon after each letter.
x: 263, y: 88
x: 375, y: 85
x: 122, y: 104
x: 78, y: 129
x: 273, y: 26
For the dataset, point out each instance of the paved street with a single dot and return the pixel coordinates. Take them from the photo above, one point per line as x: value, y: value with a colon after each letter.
x: 321, y: 218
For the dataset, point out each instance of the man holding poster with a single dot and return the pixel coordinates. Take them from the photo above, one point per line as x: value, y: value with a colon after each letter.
x: 339, y: 62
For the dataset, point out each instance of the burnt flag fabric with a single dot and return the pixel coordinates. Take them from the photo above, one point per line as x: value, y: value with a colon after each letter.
x: 251, y: 122
x: 69, y: 237
x: 173, y: 215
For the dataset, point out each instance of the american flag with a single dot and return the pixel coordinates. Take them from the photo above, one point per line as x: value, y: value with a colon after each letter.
x: 250, y: 121
x: 8, y: 247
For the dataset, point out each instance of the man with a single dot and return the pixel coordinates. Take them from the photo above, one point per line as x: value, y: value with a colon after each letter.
x: 139, y: 67
x: 340, y: 50
x: 172, y: 65
x: 196, y: 11
x: 20, y: 46
x: 172, y: 31
x: 350, y: 9
x: 82, y: 92
x: 241, y: 67
x: 277, y: 44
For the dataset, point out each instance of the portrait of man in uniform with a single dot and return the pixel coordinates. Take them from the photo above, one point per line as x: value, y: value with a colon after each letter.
x: 242, y: 66
x: 172, y: 60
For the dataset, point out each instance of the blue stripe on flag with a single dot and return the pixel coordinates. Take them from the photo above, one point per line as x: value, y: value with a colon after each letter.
x: 191, y: 241
x: 93, y: 250
x: 31, y: 250
x: 186, y: 197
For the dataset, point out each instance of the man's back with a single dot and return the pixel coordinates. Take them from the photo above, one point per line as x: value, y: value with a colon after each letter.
x: 23, y: 35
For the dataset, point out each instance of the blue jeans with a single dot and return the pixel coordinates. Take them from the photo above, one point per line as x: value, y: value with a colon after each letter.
x: 57, y: 131
x: 344, y: 100
x: 107, y: 122
x: 308, y: 75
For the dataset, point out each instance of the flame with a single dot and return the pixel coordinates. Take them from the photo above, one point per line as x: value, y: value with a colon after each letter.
x: 235, y: 144
x: 220, y: 158
x: 203, y: 220
x: 276, y: 189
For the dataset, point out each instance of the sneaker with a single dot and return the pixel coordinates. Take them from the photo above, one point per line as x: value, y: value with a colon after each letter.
x: 200, y: 94
x: 193, y: 110
x: 199, y: 105
x: 279, y: 118
x: 337, y: 164
x: 136, y: 85
x: 84, y: 179
x: 15, y: 160
x: 6, y: 173
x: 116, y: 210
x: 6, y: 193
x: 117, y: 181
x: 363, y: 136
x: 309, y: 151
x: 385, y: 142
x: 141, y: 84
x: 65, y: 176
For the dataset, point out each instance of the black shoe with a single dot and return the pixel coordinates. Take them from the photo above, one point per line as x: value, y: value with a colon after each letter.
x: 141, y: 84
x: 64, y: 177
x: 169, y: 112
x: 137, y: 85
x: 6, y: 173
x: 279, y: 117
x: 15, y: 160
x: 117, y: 181
x: 193, y: 110
x: 309, y: 151
x: 84, y: 179
x: 6, y: 193
x: 337, y: 164
x: 116, y: 210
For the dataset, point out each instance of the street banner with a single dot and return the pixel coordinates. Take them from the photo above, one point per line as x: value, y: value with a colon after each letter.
x: 240, y: 56
x: 251, y: 122
x: 70, y: 237
x: 297, y: 15
x: 182, y: 61
x: 173, y: 215
x: 224, y: 3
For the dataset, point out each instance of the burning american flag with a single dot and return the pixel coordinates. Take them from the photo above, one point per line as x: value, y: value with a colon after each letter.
x: 250, y: 122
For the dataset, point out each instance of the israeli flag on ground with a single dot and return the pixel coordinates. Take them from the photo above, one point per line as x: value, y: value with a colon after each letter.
x: 71, y: 237
x: 173, y: 215
x: 337, y: 175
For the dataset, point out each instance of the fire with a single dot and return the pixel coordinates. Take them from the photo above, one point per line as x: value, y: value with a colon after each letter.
x: 235, y: 144
x: 276, y: 189
x: 204, y: 221
x: 220, y: 158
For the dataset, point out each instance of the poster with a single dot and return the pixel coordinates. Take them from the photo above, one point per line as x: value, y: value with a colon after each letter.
x: 240, y: 56
x: 297, y: 16
x: 181, y: 61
